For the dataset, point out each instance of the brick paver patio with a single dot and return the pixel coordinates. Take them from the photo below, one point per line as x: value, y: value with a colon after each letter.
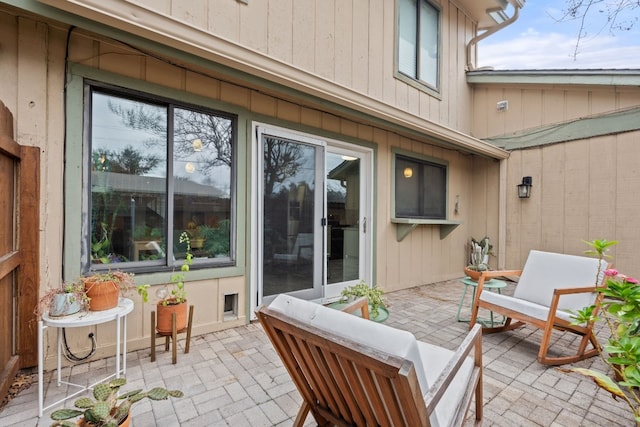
x: 234, y: 378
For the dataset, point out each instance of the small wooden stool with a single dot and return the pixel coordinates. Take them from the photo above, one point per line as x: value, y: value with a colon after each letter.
x: 173, y: 336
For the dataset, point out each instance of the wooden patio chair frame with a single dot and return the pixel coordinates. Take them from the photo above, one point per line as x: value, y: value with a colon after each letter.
x: 515, y: 319
x: 345, y: 383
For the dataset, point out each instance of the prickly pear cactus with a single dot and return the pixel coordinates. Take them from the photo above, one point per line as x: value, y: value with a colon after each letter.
x: 108, y: 409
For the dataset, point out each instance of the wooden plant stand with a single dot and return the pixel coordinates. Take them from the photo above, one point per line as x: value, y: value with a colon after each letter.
x: 172, y: 336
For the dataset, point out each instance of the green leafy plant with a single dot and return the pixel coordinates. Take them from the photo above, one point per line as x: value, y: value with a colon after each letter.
x: 108, y: 409
x: 620, y: 313
x: 76, y: 289
x: 177, y: 294
x: 373, y: 294
x: 216, y: 239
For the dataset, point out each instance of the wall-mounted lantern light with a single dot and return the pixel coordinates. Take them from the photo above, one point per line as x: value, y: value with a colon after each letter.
x: 524, y: 189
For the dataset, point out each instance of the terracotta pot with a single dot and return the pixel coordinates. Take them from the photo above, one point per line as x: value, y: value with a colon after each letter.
x: 163, y: 322
x: 125, y: 423
x: 103, y: 295
x: 474, y: 275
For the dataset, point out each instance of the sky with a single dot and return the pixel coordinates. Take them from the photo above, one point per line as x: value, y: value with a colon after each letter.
x: 536, y: 40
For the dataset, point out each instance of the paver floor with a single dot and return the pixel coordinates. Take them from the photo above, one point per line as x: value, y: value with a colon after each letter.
x: 234, y: 377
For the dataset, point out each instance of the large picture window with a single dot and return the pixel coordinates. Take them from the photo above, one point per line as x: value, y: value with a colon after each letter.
x: 420, y: 188
x: 159, y: 172
x: 418, y: 47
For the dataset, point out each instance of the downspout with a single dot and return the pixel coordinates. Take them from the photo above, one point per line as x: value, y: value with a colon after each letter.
x: 488, y: 32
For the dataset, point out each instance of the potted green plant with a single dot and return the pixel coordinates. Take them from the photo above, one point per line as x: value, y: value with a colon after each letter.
x: 478, y: 257
x: 108, y: 409
x: 103, y: 289
x: 620, y: 313
x: 174, y: 299
x: 375, y: 296
x: 68, y: 298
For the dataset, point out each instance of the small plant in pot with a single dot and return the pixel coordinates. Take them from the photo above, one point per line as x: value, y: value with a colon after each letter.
x: 175, y: 299
x: 479, y: 258
x: 108, y: 409
x: 69, y: 298
x: 103, y: 289
x: 377, y: 303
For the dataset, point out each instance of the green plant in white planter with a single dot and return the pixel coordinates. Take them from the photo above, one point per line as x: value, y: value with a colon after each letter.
x: 373, y: 294
x: 68, y: 298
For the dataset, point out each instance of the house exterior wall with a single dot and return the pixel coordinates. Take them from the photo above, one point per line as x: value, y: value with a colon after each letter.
x: 33, y: 87
x: 583, y: 189
x: 345, y: 48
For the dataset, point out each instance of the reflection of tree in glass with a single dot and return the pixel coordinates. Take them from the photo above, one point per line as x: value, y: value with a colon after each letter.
x: 214, y: 132
x: 281, y: 161
x: 129, y: 161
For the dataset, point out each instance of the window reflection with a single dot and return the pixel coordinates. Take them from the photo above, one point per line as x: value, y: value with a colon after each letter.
x: 132, y: 200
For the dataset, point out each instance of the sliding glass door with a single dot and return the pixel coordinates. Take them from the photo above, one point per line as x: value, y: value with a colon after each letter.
x: 312, y: 216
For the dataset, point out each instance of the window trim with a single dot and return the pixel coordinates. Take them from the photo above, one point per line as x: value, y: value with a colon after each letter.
x: 406, y: 225
x: 74, y: 198
x: 416, y: 82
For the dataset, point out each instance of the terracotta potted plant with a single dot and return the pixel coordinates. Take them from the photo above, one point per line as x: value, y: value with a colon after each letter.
x: 173, y: 299
x: 108, y: 408
x: 103, y: 289
x: 69, y: 298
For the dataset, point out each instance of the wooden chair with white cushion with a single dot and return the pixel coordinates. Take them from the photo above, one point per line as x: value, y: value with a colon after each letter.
x: 355, y: 372
x: 550, y: 286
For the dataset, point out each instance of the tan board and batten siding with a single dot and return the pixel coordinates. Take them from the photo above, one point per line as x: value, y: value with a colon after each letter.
x: 308, y: 44
x: 582, y: 189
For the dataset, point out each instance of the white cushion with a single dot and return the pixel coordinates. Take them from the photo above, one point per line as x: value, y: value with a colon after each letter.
x: 436, y: 358
x: 545, y: 271
x: 366, y: 332
x: 525, y: 307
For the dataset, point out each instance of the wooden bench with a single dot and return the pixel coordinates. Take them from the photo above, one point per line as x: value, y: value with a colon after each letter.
x: 550, y: 286
x: 354, y: 372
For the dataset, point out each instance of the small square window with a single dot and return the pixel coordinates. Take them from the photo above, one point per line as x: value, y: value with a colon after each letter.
x: 420, y: 188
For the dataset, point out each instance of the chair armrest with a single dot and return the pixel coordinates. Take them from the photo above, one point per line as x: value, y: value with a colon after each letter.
x: 557, y: 293
x: 473, y: 341
x: 490, y: 274
x: 568, y: 291
x: 361, y: 304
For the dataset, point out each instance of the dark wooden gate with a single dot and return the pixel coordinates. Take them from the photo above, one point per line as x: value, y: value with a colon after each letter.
x: 19, y: 252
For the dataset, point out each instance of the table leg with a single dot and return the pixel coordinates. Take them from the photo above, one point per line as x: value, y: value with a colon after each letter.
x: 59, y: 365
x: 40, y: 368
x: 464, y: 293
x: 124, y: 348
x: 118, y: 346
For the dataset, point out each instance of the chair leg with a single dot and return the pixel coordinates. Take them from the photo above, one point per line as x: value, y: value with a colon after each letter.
x: 153, y: 336
x: 187, y: 344
x: 302, y: 414
x: 174, y: 336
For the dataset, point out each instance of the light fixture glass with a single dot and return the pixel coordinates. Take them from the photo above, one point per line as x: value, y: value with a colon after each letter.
x: 408, y: 172
x: 524, y: 189
x: 189, y: 167
x: 197, y: 145
x: 349, y: 158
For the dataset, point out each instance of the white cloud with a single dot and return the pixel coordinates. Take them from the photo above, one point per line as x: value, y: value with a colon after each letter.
x: 533, y: 49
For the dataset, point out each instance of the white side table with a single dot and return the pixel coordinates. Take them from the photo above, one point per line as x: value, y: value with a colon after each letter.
x: 85, y: 318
